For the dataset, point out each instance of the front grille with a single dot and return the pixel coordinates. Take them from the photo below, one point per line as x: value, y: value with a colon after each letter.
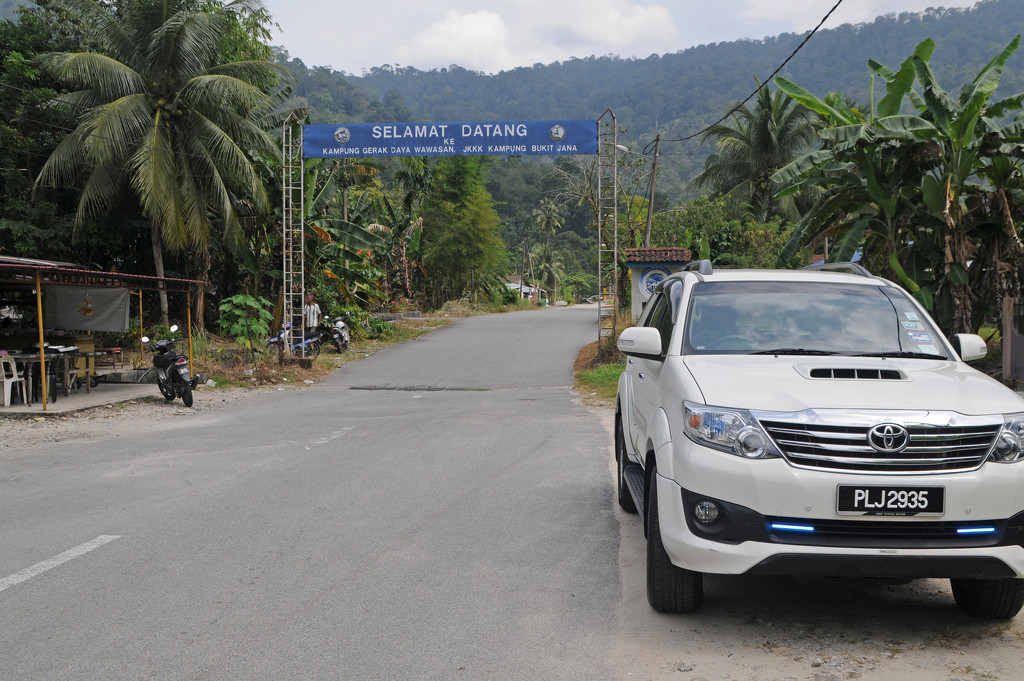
x: 931, y: 449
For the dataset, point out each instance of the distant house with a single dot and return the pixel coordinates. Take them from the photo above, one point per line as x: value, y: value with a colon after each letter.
x: 647, y: 267
x: 525, y: 290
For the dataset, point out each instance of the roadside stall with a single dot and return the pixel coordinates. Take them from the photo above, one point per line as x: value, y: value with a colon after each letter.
x: 55, y: 351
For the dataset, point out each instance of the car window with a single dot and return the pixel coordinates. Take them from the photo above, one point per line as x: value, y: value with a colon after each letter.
x: 761, y: 316
x: 648, y: 309
x: 660, y: 318
x: 664, y: 324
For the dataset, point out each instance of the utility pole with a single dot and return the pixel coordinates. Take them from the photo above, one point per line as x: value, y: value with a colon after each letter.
x: 344, y: 192
x: 522, y: 269
x: 650, y: 198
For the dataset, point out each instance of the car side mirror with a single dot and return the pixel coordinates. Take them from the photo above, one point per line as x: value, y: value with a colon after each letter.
x: 969, y: 346
x: 640, y: 341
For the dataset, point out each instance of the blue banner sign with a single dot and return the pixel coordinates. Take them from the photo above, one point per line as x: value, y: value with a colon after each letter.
x: 503, y: 138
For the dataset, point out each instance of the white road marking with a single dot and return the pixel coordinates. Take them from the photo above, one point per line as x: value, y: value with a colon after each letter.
x: 49, y: 563
x: 333, y: 436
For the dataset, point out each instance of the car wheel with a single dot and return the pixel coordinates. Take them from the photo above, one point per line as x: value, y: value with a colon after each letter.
x: 670, y: 588
x: 165, y: 389
x: 626, y: 502
x: 186, y: 395
x: 998, y: 599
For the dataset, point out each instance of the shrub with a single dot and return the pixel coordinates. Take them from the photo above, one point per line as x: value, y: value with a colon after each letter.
x: 243, y: 317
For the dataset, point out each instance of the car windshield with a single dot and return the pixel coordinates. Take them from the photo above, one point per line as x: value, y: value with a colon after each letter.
x: 806, y: 318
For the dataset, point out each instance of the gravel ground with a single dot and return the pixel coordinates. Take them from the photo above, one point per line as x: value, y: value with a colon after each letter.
x: 123, y: 418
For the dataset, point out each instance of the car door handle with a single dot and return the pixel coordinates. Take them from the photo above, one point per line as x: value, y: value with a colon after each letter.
x: 642, y: 375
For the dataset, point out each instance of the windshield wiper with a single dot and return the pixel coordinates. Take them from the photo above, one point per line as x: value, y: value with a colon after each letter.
x: 794, y: 351
x: 903, y: 353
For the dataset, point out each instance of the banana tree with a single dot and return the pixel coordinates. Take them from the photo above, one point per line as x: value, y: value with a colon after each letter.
x: 343, y: 245
x: 399, y: 230
x: 918, y: 193
x: 332, y: 242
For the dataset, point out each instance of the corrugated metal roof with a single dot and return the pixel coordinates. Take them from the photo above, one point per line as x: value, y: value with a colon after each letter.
x: 21, y: 271
x: 31, y: 262
x: 646, y: 255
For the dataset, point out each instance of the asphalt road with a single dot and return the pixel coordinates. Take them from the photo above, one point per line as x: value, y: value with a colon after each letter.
x: 440, y: 510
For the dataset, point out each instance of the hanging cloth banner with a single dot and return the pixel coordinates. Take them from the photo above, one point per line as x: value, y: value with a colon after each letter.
x: 503, y: 138
x: 85, y: 309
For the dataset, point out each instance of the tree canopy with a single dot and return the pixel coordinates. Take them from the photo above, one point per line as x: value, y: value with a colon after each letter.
x: 925, y: 186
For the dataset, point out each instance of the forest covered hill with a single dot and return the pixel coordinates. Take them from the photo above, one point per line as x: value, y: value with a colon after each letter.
x: 676, y: 94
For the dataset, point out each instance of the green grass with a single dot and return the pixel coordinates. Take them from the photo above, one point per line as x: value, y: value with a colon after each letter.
x: 602, y: 381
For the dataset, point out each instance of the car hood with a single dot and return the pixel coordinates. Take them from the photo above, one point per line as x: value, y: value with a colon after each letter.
x: 790, y: 383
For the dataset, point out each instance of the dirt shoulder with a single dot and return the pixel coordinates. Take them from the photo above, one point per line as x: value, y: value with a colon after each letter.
x: 153, y: 412
x: 122, y: 418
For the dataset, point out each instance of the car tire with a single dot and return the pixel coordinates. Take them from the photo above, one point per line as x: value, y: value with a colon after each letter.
x: 997, y: 599
x: 670, y: 588
x: 626, y: 502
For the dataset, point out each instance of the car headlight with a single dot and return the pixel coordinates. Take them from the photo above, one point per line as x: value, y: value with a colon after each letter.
x: 728, y: 430
x: 1009, y: 445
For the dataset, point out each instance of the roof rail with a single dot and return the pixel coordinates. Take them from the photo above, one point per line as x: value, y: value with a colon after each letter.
x: 700, y: 266
x: 851, y: 267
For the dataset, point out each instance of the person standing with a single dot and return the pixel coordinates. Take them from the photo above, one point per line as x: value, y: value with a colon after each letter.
x: 311, y: 314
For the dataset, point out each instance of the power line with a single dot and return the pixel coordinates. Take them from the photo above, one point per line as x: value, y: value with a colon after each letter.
x: 759, y: 87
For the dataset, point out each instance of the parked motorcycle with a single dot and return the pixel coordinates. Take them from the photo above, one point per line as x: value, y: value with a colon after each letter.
x: 173, y: 377
x: 340, y: 334
x: 312, y: 343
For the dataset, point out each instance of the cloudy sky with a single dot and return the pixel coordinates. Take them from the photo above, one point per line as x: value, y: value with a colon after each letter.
x: 497, y: 35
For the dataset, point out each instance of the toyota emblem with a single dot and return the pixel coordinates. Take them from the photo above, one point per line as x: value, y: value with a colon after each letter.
x: 888, y: 438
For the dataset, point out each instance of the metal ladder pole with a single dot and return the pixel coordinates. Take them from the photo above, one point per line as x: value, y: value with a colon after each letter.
x: 607, y: 226
x: 293, y: 236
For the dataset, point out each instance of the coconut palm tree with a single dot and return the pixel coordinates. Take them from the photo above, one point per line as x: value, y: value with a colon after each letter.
x: 547, y: 269
x: 165, y: 118
x: 753, y: 147
x: 548, y: 218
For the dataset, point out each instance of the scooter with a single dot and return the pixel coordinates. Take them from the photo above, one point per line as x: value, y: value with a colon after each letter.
x: 340, y: 335
x: 173, y: 377
x: 311, y: 343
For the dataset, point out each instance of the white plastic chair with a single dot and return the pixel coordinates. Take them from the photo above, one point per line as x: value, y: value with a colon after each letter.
x: 10, y: 377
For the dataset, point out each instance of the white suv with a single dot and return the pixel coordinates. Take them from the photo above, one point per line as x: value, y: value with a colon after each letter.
x: 816, y: 423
